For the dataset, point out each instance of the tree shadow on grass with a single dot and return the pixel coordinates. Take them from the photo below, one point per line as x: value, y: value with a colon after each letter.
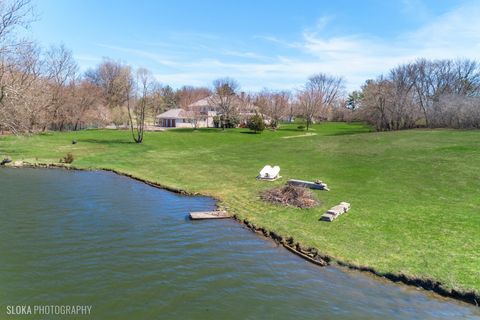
x: 292, y: 129
x: 107, y: 141
x: 349, y: 132
x: 190, y: 130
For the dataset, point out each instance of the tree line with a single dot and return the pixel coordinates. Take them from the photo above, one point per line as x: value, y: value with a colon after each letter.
x: 424, y: 93
x: 43, y: 89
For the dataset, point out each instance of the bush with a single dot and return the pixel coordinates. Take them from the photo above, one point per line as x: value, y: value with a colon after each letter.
x: 68, y: 158
x: 230, y: 122
x: 301, y: 127
x: 216, y: 121
x: 256, y: 123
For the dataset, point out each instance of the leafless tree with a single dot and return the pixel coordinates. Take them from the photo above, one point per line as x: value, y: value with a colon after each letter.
x: 188, y: 95
x: 60, y: 73
x: 110, y: 77
x: 86, y: 106
x: 420, y: 91
x: 19, y: 74
x: 224, y: 98
x: 14, y: 64
x: 14, y: 14
x: 273, y: 104
x: 309, y: 101
x: 331, y: 87
x: 376, y: 97
x: 457, y: 111
x: 139, y: 104
x: 319, y: 94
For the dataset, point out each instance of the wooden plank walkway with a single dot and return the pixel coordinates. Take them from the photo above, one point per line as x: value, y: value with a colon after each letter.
x: 200, y: 215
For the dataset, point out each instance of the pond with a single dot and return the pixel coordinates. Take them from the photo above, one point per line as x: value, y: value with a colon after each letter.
x: 130, y: 251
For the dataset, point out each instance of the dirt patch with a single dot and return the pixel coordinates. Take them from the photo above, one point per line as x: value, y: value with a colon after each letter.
x: 301, y: 135
x: 291, y: 196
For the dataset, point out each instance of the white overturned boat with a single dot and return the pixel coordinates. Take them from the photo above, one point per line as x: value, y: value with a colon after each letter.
x: 269, y: 173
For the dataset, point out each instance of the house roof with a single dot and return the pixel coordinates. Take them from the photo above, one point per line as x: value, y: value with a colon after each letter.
x: 206, y: 102
x: 175, y: 114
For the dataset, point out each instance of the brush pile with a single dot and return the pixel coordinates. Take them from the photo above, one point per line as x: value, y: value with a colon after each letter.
x: 291, y: 196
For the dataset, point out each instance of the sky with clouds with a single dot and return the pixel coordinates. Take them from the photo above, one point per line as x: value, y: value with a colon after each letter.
x: 262, y: 44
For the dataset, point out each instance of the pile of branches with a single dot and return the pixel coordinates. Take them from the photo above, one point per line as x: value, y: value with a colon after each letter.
x: 291, y: 196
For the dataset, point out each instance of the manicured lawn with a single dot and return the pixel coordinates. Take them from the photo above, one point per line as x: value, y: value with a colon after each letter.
x: 415, y: 194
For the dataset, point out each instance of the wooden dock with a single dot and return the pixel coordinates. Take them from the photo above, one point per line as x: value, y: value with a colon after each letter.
x: 201, y: 215
x: 308, y: 184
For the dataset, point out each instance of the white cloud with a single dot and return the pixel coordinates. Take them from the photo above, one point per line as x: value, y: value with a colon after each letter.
x: 359, y: 57
x: 356, y: 57
x: 87, y: 60
x: 416, y: 9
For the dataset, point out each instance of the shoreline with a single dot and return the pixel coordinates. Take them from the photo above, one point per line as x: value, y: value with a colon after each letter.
x: 310, y: 254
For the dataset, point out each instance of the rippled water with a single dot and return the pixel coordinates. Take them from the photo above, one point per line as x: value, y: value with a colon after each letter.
x: 95, y: 238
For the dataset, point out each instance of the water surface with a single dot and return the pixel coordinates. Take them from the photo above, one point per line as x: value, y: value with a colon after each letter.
x: 128, y: 249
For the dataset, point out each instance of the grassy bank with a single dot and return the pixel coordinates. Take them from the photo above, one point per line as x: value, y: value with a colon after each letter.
x: 414, y: 194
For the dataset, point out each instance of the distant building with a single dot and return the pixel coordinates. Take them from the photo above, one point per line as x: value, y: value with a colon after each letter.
x: 174, y: 118
x: 203, y: 112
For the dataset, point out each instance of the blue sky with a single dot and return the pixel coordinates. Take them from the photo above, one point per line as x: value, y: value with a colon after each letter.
x: 262, y: 44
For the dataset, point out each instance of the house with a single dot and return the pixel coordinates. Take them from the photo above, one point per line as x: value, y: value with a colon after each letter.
x: 203, y: 112
x: 243, y: 108
x: 174, y: 118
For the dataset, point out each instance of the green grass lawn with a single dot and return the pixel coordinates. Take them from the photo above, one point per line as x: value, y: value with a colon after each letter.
x: 414, y: 194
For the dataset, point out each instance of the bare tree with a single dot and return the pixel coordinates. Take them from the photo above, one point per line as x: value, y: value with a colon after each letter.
x: 224, y: 98
x: 376, y: 97
x: 274, y: 104
x: 293, y: 109
x: 433, y: 79
x: 309, y: 101
x: 60, y: 73
x: 110, y: 77
x: 14, y: 15
x: 319, y: 94
x: 19, y: 75
x: 188, y: 95
x: 86, y: 105
x: 141, y: 102
x: 422, y: 91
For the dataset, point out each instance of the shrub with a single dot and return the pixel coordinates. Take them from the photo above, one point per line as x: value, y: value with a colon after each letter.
x: 216, y: 121
x: 256, y: 123
x: 301, y: 127
x: 67, y: 159
x: 230, y: 122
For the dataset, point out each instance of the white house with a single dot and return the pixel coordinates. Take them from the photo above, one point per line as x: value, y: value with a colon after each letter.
x: 202, y: 112
x: 174, y: 118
